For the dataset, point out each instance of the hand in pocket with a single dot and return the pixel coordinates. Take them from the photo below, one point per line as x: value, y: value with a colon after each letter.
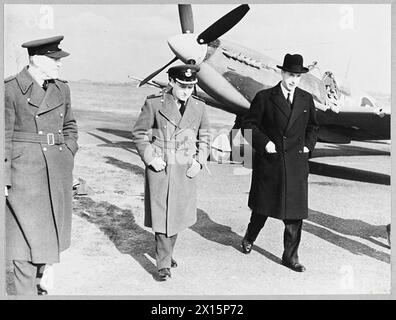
x: 194, y: 169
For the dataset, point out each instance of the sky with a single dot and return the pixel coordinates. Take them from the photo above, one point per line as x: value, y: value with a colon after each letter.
x: 111, y: 42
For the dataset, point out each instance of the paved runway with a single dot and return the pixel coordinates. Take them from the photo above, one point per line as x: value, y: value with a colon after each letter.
x: 343, y: 243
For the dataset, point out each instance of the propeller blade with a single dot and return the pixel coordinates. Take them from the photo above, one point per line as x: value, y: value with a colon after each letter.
x: 186, y: 18
x: 222, y: 25
x: 147, y: 79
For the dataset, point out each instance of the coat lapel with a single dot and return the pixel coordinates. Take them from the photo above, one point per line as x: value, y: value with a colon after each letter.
x: 279, y: 100
x: 30, y: 88
x: 298, y: 107
x: 189, y: 114
x: 169, y: 109
x: 53, y: 98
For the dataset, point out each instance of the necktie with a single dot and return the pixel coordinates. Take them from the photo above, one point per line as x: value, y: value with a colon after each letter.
x: 288, y: 101
x: 46, y: 83
x: 182, y: 107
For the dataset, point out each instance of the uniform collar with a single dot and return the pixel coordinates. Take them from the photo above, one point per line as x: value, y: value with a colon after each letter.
x: 25, y: 80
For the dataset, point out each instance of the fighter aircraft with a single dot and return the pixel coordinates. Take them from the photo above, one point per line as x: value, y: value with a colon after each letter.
x: 230, y: 76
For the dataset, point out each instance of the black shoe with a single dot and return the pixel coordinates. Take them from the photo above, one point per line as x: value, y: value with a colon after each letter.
x: 295, y: 266
x: 164, y: 274
x: 173, y: 263
x: 388, y: 230
x: 41, y: 291
x: 246, y: 246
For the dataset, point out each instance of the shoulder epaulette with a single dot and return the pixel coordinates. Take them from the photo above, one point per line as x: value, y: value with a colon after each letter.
x: 8, y: 79
x: 61, y: 80
x: 156, y: 95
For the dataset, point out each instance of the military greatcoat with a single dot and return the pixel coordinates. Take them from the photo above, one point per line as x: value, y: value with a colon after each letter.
x: 160, y: 130
x: 41, y: 141
x: 279, y: 187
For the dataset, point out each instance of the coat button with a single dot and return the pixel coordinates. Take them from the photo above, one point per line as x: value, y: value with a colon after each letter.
x: 164, y: 127
x: 60, y: 131
x: 36, y: 117
x: 60, y: 148
x: 45, y: 149
x: 284, y: 138
x: 299, y: 151
x: 61, y: 115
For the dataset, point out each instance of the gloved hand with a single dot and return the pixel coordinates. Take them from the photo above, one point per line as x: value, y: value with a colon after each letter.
x: 306, y: 150
x: 158, y: 164
x: 270, y: 147
x: 194, y: 169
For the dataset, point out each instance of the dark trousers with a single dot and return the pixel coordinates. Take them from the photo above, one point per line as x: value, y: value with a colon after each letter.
x: 26, y: 276
x: 291, y: 235
x: 164, y: 250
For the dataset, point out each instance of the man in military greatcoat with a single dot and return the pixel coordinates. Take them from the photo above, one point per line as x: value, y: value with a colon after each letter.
x: 284, y: 129
x: 172, y: 138
x: 40, y: 142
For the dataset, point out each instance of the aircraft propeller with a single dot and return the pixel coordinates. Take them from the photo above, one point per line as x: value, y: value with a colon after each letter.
x: 223, y: 25
x: 184, y: 42
x: 148, y: 78
x: 186, y: 18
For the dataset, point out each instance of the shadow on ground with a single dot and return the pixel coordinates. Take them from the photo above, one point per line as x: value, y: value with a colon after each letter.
x: 120, y: 227
x: 139, y: 171
x: 126, y: 145
x: 346, y: 173
x: 347, y: 227
x: 223, y: 235
x: 342, y: 150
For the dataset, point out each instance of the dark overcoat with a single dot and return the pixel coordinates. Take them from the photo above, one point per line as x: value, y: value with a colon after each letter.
x: 38, y: 174
x: 279, y: 187
x: 160, y: 130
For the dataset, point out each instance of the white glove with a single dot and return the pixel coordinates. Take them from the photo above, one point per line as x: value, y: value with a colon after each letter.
x: 306, y: 150
x: 194, y: 169
x: 158, y: 164
x: 270, y: 147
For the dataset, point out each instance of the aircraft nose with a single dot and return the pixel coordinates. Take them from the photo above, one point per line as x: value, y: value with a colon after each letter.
x: 186, y: 47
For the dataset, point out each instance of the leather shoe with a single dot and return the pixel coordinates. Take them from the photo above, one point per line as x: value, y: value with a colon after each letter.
x: 246, y: 246
x: 295, y: 266
x: 164, y: 274
x: 173, y: 263
x: 41, y: 291
x: 388, y: 230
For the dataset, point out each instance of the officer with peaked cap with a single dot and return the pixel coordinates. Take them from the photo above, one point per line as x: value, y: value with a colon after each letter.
x: 284, y: 130
x: 174, y: 153
x: 40, y: 142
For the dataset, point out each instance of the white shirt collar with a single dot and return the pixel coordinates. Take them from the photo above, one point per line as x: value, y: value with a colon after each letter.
x: 286, y: 92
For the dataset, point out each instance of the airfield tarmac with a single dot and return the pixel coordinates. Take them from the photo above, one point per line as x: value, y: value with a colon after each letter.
x: 343, y: 243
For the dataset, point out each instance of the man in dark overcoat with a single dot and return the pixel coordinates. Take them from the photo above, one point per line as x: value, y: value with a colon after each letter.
x: 40, y: 142
x: 172, y: 138
x: 284, y: 129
